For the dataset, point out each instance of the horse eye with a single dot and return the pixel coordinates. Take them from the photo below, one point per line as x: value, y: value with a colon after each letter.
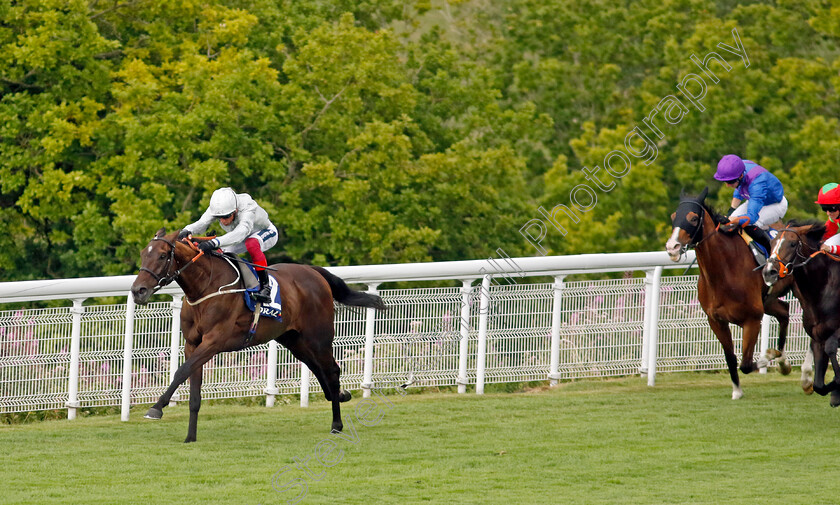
x: 162, y: 256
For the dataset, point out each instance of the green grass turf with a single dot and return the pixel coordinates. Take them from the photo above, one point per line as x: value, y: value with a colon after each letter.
x: 589, y: 442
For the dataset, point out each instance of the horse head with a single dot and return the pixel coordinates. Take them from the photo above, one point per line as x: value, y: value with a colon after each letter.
x: 687, y: 224
x: 790, y: 249
x: 158, y: 266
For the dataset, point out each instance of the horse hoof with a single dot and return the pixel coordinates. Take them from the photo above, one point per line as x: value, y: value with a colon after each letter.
x: 808, y: 388
x: 336, y: 428
x: 737, y: 394
x: 344, y: 396
x: 189, y: 439
x: 784, y: 367
x: 773, y: 354
x: 834, y: 402
x: 154, y: 413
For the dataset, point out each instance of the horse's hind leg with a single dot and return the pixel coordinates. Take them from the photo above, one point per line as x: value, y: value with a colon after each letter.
x: 724, y: 336
x: 320, y: 360
x: 779, y: 309
x: 327, y: 372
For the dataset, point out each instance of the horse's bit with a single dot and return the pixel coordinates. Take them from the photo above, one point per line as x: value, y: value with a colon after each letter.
x: 786, y: 268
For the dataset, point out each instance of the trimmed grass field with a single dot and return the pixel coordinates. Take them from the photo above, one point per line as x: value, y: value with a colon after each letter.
x: 590, y: 442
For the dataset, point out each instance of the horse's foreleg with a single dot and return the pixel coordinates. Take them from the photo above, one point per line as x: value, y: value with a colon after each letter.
x: 195, y: 403
x: 750, y: 335
x: 199, y: 357
x: 831, y: 350
x: 820, y: 367
x: 724, y: 336
x: 807, y: 378
x: 779, y: 309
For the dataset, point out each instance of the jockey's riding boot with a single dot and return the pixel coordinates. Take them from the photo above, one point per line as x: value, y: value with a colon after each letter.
x: 264, y: 294
x: 759, y: 235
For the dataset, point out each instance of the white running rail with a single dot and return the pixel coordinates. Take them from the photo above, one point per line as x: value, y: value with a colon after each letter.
x: 93, y: 352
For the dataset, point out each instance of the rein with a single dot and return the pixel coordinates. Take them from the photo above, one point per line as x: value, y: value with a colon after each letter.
x: 166, y: 278
x: 219, y: 291
x: 786, y: 268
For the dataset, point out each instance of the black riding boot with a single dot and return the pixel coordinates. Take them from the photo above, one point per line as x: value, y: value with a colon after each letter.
x: 760, y: 236
x: 264, y: 294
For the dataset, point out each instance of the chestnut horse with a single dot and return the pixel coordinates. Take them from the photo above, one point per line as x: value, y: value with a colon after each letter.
x: 729, y: 289
x: 215, y: 318
x: 796, y: 254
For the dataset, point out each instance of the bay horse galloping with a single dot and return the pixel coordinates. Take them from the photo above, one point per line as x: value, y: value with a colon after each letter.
x: 729, y: 289
x: 796, y: 254
x: 215, y: 319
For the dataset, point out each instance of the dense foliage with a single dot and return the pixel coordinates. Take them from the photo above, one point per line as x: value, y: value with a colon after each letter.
x: 386, y: 131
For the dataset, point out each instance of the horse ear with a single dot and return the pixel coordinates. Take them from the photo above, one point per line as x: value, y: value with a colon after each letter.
x: 682, y: 193
x: 816, y: 232
x: 160, y: 232
x: 703, y: 194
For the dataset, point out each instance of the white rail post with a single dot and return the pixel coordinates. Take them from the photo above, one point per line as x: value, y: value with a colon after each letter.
x: 370, y: 326
x: 765, y: 339
x: 175, y: 343
x: 481, y: 352
x: 271, y: 373
x: 127, y: 357
x: 305, y: 375
x: 554, y: 370
x: 464, y: 348
x: 653, y: 322
x: 643, y: 368
x: 75, y: 350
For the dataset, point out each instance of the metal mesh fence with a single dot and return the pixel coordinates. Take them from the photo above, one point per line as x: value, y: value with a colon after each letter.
x: 418, y: 341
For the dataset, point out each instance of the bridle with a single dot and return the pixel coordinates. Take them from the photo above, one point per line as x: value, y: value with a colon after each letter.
x: 165, y: 278
x: 698, y: 228
x: 786, y: 268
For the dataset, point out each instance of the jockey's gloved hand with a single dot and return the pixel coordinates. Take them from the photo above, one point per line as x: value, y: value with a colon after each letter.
x: 209, y: 245
x: 735, y: 223
x: 184, y: 234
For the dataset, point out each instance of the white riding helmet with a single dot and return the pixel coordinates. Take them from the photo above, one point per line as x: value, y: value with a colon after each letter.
x: 223, y: 202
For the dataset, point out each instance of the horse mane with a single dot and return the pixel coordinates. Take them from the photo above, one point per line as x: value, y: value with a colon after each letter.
x: 816, y: 229
x: 716, y: 216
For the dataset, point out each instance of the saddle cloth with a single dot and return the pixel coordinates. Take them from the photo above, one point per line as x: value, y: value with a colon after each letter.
x: 252, y: 285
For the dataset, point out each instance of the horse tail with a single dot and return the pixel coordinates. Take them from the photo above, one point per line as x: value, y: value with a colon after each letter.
x: 342, y: 293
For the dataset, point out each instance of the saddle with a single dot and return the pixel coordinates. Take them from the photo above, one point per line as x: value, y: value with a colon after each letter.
x: 272, y: 309
x: 759, y: 251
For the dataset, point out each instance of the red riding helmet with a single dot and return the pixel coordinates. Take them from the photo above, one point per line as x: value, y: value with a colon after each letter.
x: 829, y: 194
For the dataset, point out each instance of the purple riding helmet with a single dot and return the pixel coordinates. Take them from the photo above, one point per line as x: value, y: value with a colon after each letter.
x: 729, y: 168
